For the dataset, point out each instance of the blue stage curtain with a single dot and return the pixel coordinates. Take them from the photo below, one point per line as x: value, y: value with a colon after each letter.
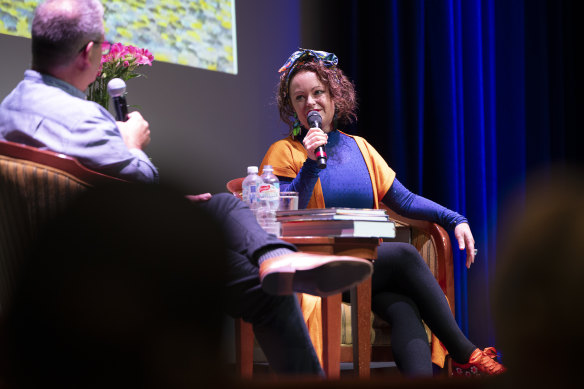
x: 464, y: 98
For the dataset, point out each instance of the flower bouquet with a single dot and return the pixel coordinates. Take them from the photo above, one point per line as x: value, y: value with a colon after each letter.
x: 118, y: 61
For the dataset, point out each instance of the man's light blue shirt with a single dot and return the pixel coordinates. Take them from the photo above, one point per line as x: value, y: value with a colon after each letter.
x: 48, y: 113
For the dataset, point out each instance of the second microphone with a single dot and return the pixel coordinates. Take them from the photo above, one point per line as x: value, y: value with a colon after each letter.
x: 117, y: 89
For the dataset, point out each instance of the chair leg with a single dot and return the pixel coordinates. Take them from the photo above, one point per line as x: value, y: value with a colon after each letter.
x: 244, y: 348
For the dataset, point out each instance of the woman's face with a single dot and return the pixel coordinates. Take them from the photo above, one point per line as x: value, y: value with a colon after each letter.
x: 308, y: 93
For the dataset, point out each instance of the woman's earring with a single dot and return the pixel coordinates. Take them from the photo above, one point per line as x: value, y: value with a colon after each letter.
x: 296, y: 127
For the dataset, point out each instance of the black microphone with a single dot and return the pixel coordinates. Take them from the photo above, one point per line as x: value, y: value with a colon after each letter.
x: 117, y: 89
x: 315, y: 121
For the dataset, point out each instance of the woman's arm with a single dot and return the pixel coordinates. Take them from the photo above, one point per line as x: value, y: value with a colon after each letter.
x: 408, y: 204
x: 307, y: 177
x: 303, y: 183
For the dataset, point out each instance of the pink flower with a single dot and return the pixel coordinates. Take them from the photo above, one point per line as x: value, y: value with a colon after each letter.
x: 117, y: 51
x: 121, y: 61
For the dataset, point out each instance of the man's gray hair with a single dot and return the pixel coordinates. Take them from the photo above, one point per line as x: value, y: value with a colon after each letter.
x: 61, y: 28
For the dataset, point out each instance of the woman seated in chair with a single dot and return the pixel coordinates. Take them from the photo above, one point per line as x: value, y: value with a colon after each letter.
x: 404, y: 291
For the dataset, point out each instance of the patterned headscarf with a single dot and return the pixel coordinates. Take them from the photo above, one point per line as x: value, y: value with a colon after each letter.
x: 306, y: 55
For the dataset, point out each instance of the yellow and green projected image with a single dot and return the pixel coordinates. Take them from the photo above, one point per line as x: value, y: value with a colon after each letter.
x: 198, y: 33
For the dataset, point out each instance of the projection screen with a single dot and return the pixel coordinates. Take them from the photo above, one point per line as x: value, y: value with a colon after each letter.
x: 200, y: 33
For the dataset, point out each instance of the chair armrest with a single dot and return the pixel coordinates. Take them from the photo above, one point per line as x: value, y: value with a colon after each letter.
x: 234, y: 186
x: 67, y: 164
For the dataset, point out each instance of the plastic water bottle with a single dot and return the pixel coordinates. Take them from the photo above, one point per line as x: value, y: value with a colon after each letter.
x: 269, y: 201
x: 250, y: 189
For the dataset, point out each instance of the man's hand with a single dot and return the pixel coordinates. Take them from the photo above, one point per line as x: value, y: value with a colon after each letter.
x: 135, y: 131
x: 199, y: 197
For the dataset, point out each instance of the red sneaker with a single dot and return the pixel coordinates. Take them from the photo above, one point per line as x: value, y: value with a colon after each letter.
x: 481, y: 362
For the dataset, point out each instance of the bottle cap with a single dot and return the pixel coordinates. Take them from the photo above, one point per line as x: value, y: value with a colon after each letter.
x: 268, y: 168
x: 252, y: 169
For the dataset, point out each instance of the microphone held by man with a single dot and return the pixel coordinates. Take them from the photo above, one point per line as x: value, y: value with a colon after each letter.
x: 116, y: 88
x: 315, y: 121
x: 134, y: 129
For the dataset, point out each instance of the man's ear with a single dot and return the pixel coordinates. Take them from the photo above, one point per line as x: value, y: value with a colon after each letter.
x: 83, y: 61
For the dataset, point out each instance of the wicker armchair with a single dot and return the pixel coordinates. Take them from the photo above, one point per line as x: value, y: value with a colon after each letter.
x: 34, y: 186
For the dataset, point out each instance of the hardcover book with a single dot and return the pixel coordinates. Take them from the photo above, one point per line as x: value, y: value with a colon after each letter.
x: 339, y: 222
x: 339, y: 228
x: 333, y: 214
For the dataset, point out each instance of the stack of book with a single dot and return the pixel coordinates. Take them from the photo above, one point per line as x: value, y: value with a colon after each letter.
x: 339, y: 222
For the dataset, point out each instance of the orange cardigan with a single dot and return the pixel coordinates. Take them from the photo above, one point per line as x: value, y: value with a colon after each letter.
x: 288, y: 155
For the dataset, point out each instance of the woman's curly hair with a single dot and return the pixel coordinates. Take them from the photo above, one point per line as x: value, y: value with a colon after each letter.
x: 340, y: 87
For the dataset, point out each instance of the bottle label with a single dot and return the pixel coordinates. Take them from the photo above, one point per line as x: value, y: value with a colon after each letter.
x: 269, y: 192
x: 250, y: 194
x: 253, y: 196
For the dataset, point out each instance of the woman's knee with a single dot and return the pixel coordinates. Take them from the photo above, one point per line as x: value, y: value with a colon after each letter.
x: 399, y: 253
